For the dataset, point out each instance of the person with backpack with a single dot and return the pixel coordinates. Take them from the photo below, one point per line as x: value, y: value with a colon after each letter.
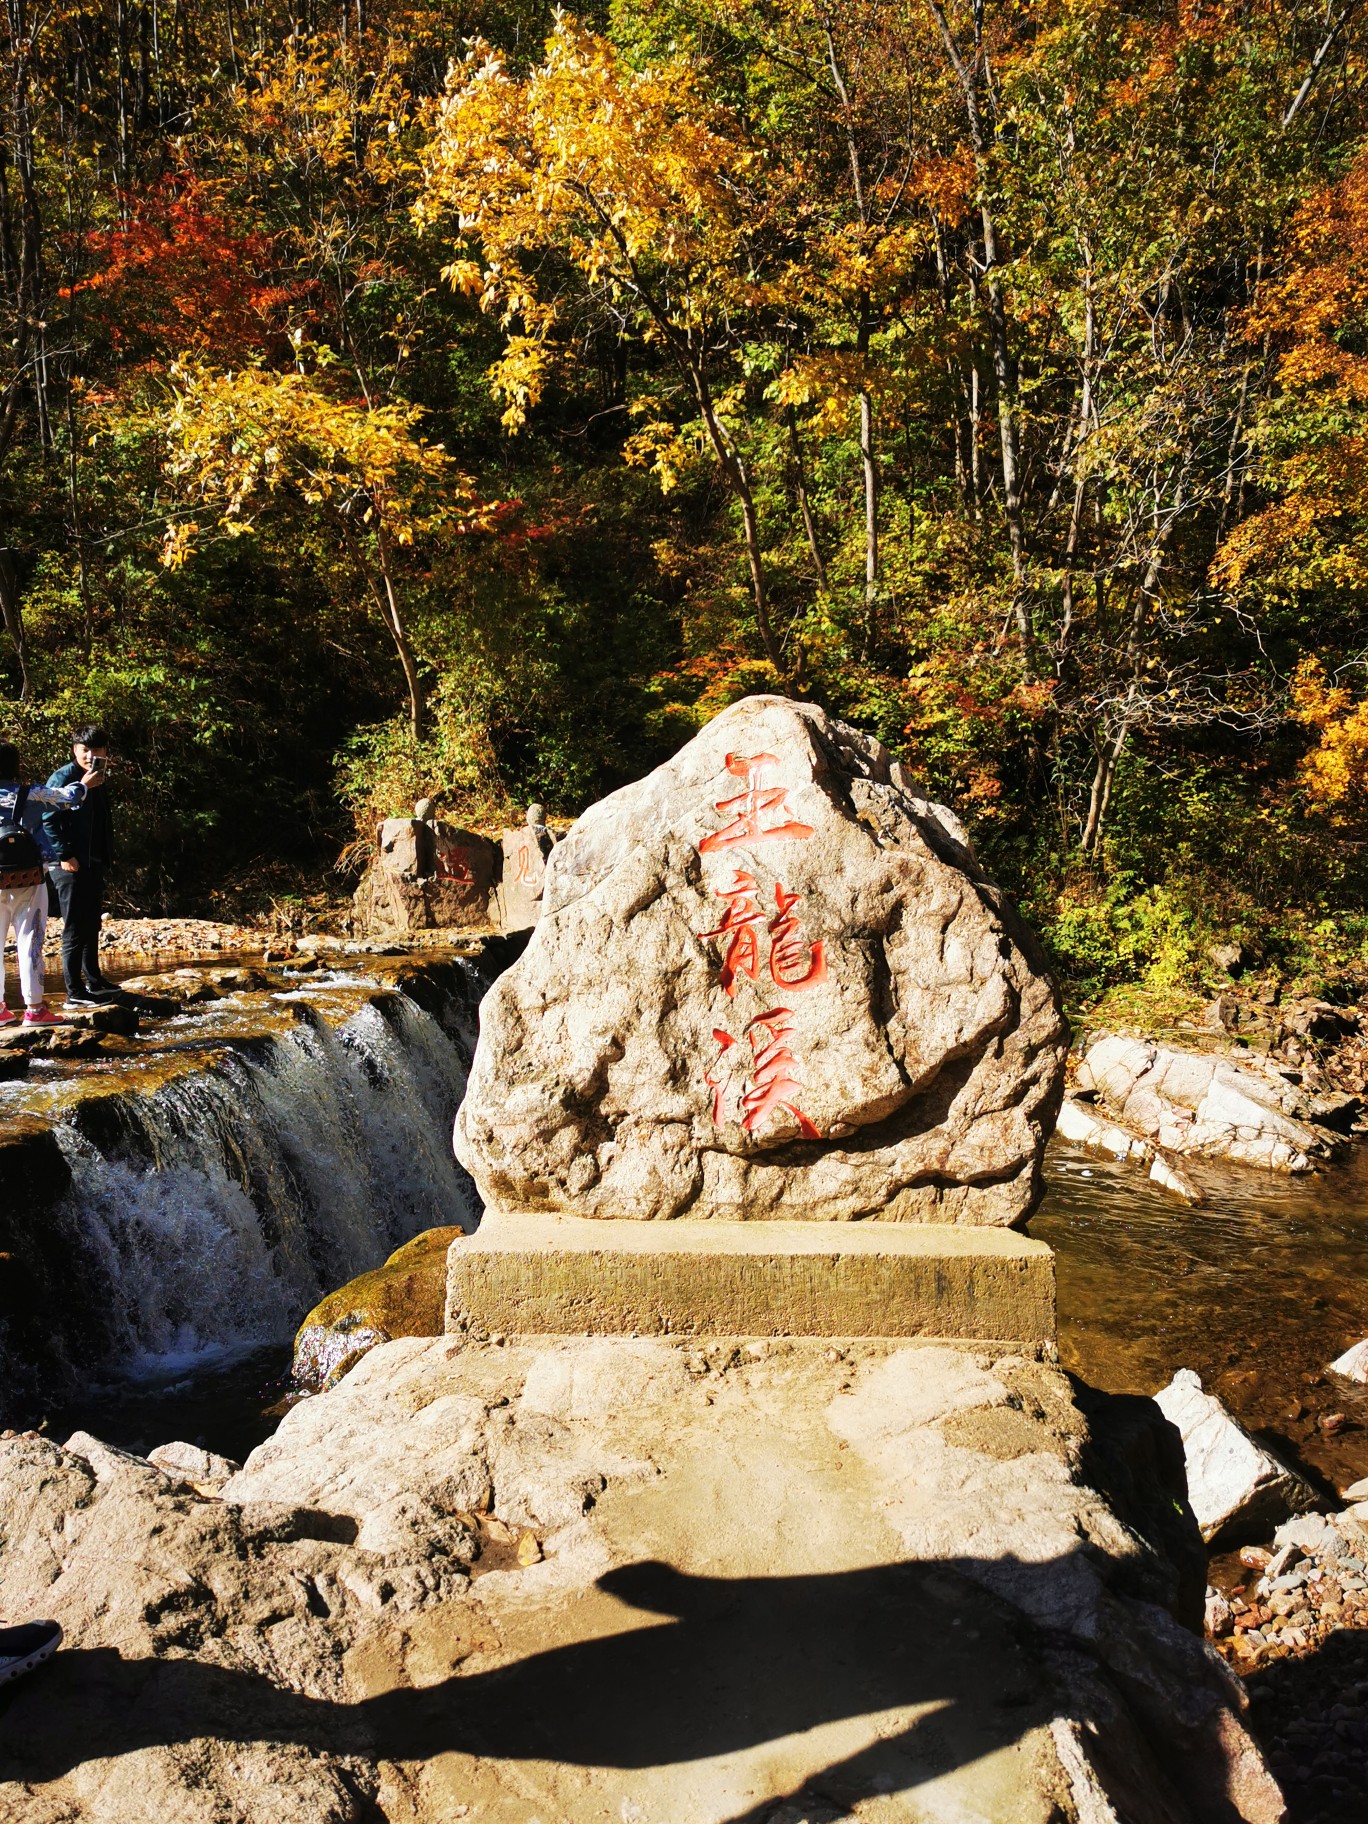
x: 23, y: 887
x: 81, y: 840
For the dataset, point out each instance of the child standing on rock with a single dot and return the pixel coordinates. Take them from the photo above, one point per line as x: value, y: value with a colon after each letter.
x: 23, y: 887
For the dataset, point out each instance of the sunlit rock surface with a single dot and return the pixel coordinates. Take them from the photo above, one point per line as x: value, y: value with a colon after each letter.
x: 1206, y: 1104
x: 588, y: 1579
x: 1237, y: 1487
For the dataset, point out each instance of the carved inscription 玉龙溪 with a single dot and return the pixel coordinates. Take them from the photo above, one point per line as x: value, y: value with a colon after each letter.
x: 753, y: 943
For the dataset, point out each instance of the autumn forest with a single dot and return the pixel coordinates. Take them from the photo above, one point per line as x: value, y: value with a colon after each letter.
x: 433, y: 397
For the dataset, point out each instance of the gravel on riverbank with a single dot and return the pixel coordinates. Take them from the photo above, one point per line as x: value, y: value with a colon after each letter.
x: 167, y: 936
x: 1294, y: 1624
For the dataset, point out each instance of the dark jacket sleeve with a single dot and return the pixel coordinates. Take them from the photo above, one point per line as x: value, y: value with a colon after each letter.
x: 57, y: 821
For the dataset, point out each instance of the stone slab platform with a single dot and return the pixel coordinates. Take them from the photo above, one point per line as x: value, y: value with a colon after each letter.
x: 532, y: 1274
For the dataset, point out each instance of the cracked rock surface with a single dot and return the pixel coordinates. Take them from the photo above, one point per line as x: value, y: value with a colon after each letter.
x: 770, y: 979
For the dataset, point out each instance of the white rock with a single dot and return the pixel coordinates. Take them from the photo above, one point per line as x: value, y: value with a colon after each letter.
x: 1236, y: 1487
x: 1115, y: 1063
x: 1081, y: 1124
x: 1191, y: 1103
x: 1310, y: 1533
x: 187, y: 1461
x: 1353, y: 1364
x: 1171, y: 1179
x: 1084, y: 1127
x: 1218, y: 1613
x: 108, y: 1461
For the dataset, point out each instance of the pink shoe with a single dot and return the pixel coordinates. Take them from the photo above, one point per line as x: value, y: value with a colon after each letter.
x: 42, y: 1016
x: 6, y: 1017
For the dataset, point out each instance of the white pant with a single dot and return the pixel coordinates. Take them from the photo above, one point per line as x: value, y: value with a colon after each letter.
x: 23, y: 915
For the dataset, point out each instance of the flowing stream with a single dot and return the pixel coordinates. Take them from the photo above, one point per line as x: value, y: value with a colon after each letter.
x: 204, y: 1202
x: 1258, y: 1290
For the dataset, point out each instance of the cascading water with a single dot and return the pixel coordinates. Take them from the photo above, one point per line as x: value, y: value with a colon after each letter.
x: 205, y: 1217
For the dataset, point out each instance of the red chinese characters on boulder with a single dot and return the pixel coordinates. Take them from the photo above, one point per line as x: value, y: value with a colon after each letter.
x: 719, y: 1085
x: 772, y: 1084
x: 741, y: 948
x: 773, y: 1078
x: 793, y: 963
x: 755, y: 809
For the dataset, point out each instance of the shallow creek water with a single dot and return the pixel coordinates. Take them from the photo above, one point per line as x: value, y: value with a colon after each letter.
x: 1258, y: 1290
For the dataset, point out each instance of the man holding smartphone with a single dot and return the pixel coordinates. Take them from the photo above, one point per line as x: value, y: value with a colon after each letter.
x: 83, y: 841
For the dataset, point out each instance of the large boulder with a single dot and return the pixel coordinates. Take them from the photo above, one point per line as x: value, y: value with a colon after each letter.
x: 769, y: 980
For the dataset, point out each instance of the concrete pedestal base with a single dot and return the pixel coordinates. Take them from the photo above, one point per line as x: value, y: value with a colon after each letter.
x: 535, y: 1274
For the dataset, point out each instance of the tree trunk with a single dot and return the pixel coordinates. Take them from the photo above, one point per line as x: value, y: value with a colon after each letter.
x: 871, y: 494
x: 867, y: 462
x: 417, y: 704
x: 1085, y: 413
x: 77, y: 527
x: 1145, y: 597
x: 387, y: 601
x: 1004, y: 363
x: 735, y: 471
x: 1108, y: 758
x: 691, y: 360
x: 800, y: 488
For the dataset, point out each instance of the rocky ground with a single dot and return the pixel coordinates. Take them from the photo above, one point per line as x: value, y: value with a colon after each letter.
x: 618, y: 1579
x: 1292, y: 1619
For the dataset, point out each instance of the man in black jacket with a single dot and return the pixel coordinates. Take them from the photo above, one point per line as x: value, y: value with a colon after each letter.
x: 83, y: 839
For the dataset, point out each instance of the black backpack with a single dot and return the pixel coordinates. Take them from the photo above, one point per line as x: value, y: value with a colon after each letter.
x: 19, y: 853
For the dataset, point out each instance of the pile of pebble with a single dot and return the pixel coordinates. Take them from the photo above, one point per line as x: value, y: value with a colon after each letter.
x: 1314, y: 1578
x: 1297, y: 1631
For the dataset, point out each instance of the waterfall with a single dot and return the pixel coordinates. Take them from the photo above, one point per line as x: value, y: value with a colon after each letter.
x: 205, y: 1217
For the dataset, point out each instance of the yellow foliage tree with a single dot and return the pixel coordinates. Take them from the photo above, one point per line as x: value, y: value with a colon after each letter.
x: 650, y: 193
x: 1334, y: 774
x: 1315, y: 446
x: 243, y: 442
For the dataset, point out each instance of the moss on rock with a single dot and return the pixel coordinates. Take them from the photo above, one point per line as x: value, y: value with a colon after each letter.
x: 405, y: 1297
